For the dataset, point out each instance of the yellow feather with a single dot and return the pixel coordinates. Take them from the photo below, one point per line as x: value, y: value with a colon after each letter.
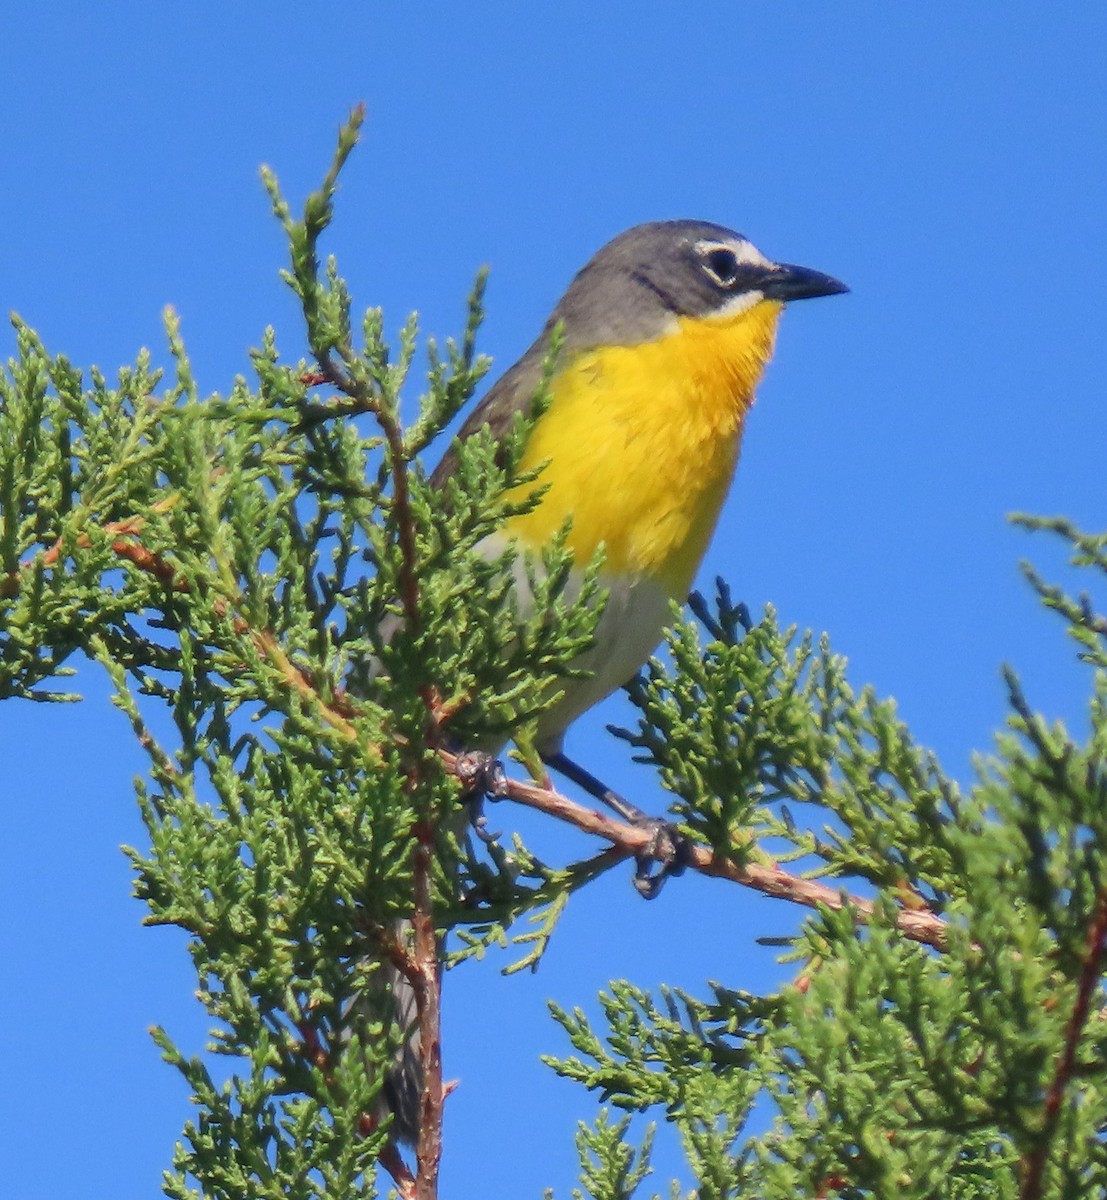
x: 641, y: 444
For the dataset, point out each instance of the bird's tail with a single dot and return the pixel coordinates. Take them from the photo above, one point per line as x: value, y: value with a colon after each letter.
x: 388, y: 1001
x: 403, y: 1086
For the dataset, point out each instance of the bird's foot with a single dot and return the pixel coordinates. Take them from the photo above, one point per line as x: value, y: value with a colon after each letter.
x: 668, y: 851
x: 482, y: 778
x: 666, y: 854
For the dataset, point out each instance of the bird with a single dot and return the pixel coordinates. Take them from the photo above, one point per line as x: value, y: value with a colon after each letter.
x: 662, y: 339
x: 665, y: 334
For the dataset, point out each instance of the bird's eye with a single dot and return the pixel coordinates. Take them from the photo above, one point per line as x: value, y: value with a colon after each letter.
x: 722, y: 265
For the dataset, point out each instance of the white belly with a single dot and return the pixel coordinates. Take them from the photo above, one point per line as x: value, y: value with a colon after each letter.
x: 630, y: 629
x: 628, y: 633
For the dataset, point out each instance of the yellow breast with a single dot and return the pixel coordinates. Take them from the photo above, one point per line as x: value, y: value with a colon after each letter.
x: 641, y: 444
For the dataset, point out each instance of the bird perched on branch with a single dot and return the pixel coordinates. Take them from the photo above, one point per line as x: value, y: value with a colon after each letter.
x: 665, y: 334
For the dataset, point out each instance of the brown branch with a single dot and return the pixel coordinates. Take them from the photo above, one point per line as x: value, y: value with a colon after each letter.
x: 918, y: 924
x: 12, y: 583
x: 428, y: 1004
x: 418, y: 963
x: 126, y: 545
x: 421, y: 967
x: 364, y: 401
x: 424, y: 973
x: 393, y: 1162
x: 426, y: 976
x: 1034, y: 1163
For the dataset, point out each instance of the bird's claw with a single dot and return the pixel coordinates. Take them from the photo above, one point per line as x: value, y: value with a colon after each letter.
x: 481, y: 772
x: 478, y: 822
x: 482, y: 777
x: 667, y: 853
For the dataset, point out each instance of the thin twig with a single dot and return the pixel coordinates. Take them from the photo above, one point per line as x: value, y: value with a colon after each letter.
x: 426, y: 976
x: 1034, y: 1163
x: 919, y: 924
x: 125, y: 545
x: 392, y: 1161
x: 428, y: 997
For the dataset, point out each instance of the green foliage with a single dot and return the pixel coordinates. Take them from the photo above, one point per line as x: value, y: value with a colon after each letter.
x: 887, y: 1069
x: 297, y: 625
x: 287, y: 614
x: 611, y: 1169
x: 759, y: 724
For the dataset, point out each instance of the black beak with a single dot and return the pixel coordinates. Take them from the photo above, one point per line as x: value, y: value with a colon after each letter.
x: 787, y: 282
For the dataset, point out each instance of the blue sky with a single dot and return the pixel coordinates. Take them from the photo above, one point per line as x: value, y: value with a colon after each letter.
x: 948, y: 162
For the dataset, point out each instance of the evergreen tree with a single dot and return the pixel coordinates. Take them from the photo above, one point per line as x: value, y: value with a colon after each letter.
x: 235, y: 559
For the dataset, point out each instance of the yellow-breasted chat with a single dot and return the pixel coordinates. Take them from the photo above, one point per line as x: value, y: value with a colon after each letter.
x: 664, y: 336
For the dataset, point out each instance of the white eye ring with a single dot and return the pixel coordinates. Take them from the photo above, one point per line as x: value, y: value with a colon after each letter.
x: 721, y: 263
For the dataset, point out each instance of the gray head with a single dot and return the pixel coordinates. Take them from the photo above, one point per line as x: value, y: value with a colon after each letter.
x: 636, y: 286
x: 633, y: 291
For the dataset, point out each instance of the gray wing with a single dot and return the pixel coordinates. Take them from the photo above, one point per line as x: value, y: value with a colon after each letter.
x: 509, y: 394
